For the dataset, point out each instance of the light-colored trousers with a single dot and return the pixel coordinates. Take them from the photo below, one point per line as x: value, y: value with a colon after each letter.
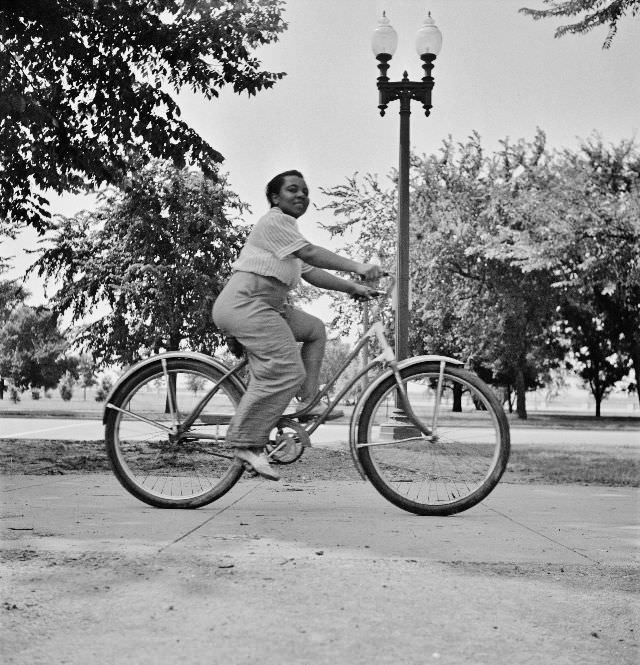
x: 253, y: 309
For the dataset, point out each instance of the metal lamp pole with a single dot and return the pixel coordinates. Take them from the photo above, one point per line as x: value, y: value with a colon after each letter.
x: 384, y: 43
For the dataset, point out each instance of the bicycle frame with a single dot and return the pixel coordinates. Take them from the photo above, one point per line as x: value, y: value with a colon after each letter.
x: 385, y: 358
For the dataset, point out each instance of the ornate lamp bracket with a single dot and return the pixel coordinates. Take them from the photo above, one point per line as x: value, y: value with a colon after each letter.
x: 405, y: 90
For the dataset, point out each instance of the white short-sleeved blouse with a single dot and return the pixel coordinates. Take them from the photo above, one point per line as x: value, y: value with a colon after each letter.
x: 270, y: 246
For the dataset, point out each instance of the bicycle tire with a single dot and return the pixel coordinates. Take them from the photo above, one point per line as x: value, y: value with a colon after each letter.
x: 452, y: 470
x: 187, y: 473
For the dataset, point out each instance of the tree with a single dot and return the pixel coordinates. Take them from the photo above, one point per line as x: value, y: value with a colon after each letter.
x: 104, y: 388
x: 517, y: 258
x: 151, y: 261
x: 367, y: 225
x: 87, y: 368
x: 12, y: 294
x: 471, y: 297
x: 595, y: 247
x: 336, y: 355
x: 33, y: 351
x: 592, y: 13
x: 195, y: 383
x: 593, y: 357
x: 66, y: 386
x: 87, y: 87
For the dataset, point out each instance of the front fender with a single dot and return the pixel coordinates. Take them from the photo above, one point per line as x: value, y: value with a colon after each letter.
x: 357, y: 411
x: 191, y: 355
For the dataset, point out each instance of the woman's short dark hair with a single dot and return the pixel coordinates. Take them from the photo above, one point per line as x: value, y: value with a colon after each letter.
x: 274, y: 185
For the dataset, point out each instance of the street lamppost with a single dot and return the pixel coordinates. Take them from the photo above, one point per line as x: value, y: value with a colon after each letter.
x: 383, y: 43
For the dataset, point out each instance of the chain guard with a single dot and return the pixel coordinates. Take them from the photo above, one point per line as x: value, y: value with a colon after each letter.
x: 289, y: 443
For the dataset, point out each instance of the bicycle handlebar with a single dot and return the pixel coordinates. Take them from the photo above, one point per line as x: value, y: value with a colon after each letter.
x: 375, y: 293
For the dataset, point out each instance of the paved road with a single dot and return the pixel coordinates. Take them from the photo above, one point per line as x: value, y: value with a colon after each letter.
x: 316, y: 573
x: 330, y: 435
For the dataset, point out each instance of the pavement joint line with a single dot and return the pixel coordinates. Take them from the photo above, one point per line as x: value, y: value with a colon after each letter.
x: 209, y: 519
x: 24, y: 487
x: 544, y: 535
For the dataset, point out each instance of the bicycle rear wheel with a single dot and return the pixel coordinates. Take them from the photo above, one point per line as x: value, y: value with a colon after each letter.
x: 453, y: 469
x: 151, y: 457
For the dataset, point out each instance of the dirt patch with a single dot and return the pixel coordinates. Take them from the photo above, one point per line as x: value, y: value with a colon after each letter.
x: 528, y: 464
x: 43, y: 457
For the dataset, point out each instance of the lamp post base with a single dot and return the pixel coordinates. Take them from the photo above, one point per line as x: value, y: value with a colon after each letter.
x: 398, y: 427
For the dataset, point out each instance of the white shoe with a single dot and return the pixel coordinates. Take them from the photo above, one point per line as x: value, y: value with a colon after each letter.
x: 304, y: 408
x: 258, y: 462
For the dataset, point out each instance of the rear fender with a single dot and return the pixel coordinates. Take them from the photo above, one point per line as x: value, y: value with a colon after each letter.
x: 190, y: 355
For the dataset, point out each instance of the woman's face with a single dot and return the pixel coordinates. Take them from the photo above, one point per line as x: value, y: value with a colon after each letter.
x: 293, y: 197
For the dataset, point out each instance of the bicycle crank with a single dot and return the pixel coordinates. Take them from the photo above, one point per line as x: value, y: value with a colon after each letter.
x: 290, y: 441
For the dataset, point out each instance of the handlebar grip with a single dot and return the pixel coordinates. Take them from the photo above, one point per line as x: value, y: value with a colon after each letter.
x: 373, y: 294
x: 384, y: 274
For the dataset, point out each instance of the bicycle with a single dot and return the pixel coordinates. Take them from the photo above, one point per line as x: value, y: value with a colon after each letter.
x: 429, y: 435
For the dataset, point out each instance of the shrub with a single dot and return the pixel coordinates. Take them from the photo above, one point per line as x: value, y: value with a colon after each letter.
x: 103, y: 389
x: 66, y: 392
x: 66, y: 387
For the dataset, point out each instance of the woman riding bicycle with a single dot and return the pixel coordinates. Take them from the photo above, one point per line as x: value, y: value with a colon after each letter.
x: 252, y: 308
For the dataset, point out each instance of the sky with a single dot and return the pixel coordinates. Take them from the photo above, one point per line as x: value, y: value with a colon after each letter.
x: 499, y: 73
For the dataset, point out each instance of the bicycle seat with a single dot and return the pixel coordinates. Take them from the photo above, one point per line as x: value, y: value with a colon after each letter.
x: 234, y: 346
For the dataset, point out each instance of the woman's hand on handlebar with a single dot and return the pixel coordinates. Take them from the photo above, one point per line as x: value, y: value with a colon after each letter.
x: 371, y: 271
x: 362, y: 292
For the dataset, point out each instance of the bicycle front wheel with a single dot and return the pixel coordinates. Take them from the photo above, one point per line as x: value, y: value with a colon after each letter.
x: 153, y: 456
x: 455, y: 466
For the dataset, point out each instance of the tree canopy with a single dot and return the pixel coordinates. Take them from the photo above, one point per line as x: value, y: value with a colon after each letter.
x: 139, y: 273
x: 87, y: 88
x: 33, y: 351
x: 518, y: 260
x: 12, y: 294
x: 591, y: 13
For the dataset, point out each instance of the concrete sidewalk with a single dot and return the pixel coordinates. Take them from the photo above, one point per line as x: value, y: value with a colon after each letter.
x: 317, y: 572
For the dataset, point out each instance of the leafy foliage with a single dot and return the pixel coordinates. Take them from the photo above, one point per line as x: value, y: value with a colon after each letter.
x: 87, y: 369
x: 104, y: 387
x: 33, y: 351
x: 507, y: 250
x: 86, y: 88
x: 148, y: 263
x: 336, y: 355
x: 597, y: 257
x: 592, y: 13
x: 12, y: 294
x: 65, y: 387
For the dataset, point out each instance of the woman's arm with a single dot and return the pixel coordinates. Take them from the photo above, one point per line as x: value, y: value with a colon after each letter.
x: 326, y: 280
x: 319, y: 257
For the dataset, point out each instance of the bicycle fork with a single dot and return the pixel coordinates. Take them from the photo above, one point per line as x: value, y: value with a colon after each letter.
x: 388, y: 356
